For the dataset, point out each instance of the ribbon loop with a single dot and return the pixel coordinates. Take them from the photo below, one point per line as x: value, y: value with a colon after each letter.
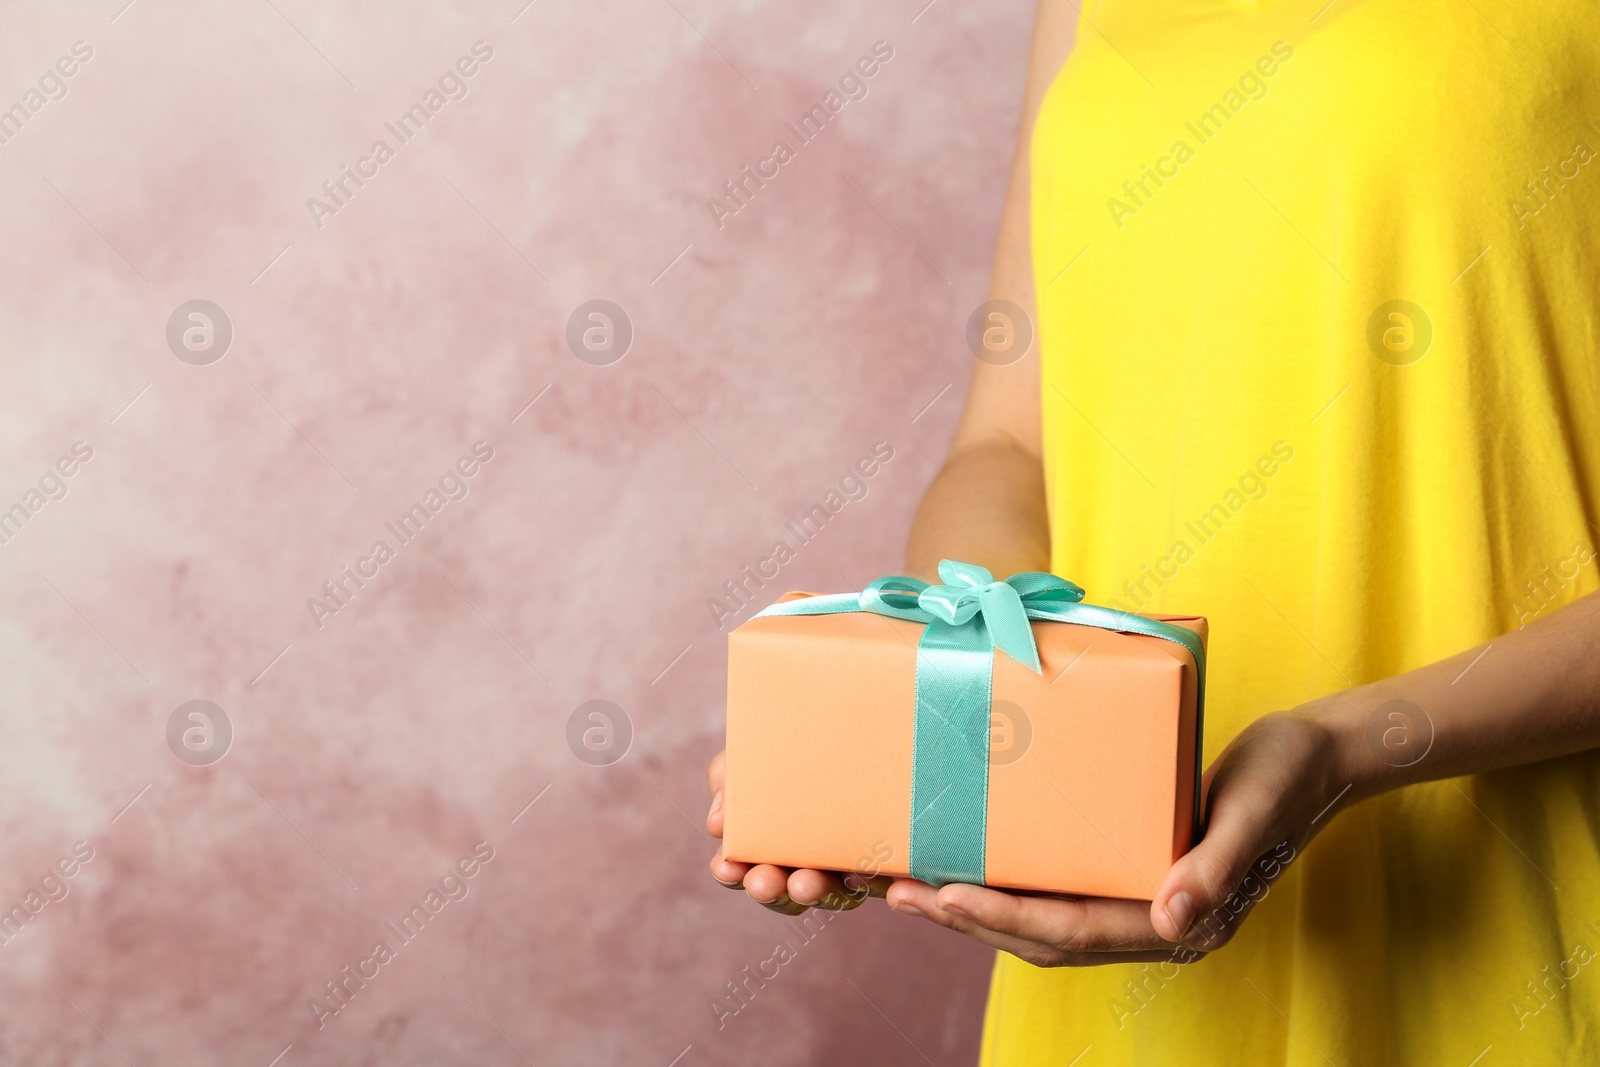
x: 954, y: 572
x: 895, y: 596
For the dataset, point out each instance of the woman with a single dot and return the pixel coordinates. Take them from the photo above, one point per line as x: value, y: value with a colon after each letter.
x: 1315, y: 289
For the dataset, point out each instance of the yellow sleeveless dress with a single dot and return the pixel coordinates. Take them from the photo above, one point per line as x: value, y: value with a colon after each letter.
x: 1318, y: 290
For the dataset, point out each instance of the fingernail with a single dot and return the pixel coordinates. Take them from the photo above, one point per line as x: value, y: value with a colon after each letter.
x: 1180, y: 912
x: 716, y: 803
x: 907, y: 909
x: 954, y: 909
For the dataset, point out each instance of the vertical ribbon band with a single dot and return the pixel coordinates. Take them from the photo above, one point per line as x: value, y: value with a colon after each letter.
x: 967, y: 619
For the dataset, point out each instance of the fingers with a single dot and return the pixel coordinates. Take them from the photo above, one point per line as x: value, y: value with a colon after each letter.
x: 835, y: 892
x: 822, y: 889
x: 727, y: 872
x: 1207, y: 896
x: 791, y: 892
x: 714, y: 816
x: 766, y: 884
x: 1071, y: 924
x: 769, y: 887
x: 1247, y: 844
x: 873, y: 885
x: 715, y: 771
x: 714, y: 776
x: 1044, y: 931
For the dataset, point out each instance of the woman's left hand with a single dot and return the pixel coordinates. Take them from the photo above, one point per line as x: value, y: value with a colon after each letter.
x: 1270, y: 791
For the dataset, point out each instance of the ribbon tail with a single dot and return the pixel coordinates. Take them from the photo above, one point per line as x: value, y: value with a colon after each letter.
x: 1006, y: 616
x: 1018, y: 643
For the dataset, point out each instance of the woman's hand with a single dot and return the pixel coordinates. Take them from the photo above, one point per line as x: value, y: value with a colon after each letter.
x: 783, y: 889
x: 1268, y: 794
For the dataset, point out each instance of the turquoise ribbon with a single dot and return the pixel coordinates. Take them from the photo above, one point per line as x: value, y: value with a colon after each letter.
x: 967, y: 618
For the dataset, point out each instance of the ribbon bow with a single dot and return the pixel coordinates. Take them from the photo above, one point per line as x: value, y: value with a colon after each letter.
x: 967, y: 618
x: 968, y: 592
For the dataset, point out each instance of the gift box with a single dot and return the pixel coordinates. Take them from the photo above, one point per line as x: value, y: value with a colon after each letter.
x: 1001, y: 733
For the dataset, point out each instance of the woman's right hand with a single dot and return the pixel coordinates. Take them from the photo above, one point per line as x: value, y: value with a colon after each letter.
x: 787, y: 890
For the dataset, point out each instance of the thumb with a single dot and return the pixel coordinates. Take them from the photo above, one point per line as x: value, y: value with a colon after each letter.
x: 1212, y: 888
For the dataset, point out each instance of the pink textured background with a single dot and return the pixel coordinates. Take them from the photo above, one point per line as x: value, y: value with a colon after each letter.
x: 423, y: 317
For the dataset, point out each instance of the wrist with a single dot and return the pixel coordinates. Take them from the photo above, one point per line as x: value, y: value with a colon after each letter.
x: 1371, y: 742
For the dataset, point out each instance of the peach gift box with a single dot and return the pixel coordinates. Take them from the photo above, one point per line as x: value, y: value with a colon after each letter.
x: 1099, y: 800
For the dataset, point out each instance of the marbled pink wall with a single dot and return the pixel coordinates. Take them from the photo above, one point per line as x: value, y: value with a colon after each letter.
x: 374, y: 750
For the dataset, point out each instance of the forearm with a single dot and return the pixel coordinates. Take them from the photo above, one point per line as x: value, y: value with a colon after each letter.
x: 987, y: 506
x: 1529, y: 695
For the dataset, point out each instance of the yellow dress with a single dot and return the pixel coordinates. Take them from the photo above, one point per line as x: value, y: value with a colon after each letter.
x: 1318, y: 315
